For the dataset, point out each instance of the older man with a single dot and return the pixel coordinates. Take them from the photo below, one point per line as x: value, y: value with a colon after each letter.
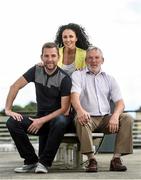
x: 92, y: 91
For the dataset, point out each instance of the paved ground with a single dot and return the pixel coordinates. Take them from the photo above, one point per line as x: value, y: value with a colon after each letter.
x: 10, y: 160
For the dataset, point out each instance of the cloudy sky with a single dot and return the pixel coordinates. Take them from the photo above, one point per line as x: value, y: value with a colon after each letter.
x: 112, y: 25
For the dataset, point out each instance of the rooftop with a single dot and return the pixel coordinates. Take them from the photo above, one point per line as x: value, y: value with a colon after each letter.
x: 10, y: 160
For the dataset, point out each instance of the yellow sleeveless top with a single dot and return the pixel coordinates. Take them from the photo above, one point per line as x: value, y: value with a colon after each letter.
x: 79, y: 58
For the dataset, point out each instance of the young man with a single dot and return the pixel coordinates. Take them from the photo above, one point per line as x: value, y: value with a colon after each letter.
x: 53, y: 98
x: 92, y: 91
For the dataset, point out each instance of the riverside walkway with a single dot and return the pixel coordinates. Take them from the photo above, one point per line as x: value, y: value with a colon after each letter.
x: 10, y: 160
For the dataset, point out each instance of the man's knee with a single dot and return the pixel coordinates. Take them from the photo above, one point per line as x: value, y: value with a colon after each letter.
x: 60, y: 122
x: 128, y: 119
x: 11, y: 123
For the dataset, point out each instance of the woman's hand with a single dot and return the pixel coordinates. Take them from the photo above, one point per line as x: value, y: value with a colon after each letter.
x: 40, y: 64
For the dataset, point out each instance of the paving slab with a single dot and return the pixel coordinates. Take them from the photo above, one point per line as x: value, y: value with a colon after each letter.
x: 11, y: 160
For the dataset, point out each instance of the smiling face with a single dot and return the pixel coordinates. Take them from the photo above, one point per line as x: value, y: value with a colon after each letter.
x: 50, y: 59
x: 69, y: 38
x: 94, y: 60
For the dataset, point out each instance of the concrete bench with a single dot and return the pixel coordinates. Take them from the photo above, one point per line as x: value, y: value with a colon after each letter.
x: 69, y: 151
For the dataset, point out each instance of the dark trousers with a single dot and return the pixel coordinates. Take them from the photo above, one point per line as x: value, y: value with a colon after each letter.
x: 54, y: 131
x: 69, y: 129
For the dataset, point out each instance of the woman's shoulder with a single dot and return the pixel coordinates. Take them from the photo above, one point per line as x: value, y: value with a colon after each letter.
x: 80, y: 50
x: 61, y: 49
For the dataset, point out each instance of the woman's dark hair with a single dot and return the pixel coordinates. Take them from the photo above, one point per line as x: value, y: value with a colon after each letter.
x: 83, y: 40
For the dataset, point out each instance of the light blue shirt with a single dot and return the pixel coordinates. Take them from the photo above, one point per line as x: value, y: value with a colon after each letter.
x: 95, y: 91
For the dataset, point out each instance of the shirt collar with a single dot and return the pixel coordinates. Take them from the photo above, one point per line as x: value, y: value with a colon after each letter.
x: 89, y: 72
x: 55, y: 72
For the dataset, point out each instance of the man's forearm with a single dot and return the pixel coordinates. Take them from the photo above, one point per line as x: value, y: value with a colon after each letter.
x: 119, y: 107
x: 52, y: 115
x: 65, y: 104
x: 10, y: 98
x: 76, y: 102
x: 14, y: 89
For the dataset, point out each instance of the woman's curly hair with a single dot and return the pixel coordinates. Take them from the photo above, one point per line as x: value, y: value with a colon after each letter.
x: 83, y: 40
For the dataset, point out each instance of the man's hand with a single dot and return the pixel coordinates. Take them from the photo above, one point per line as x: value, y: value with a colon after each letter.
x: 35, y: 126
x: 15, y: 115
x: 83, y: 117
x: 114, y: 123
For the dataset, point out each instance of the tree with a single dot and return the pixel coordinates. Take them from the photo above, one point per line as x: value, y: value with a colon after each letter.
x: 30, y: 107
x: 17, y: 108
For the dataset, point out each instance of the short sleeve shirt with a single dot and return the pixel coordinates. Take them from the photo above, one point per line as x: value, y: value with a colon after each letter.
x: 95, y: 91
x: 49, y: 88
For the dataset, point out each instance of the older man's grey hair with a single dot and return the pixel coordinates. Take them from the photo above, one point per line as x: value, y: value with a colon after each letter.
x: 91, y: 48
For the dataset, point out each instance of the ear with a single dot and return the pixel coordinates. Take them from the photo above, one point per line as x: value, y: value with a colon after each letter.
x: 41, y: 57
x: 102, y: 60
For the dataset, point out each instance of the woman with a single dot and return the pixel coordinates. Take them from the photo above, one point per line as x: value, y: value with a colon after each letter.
x: 72, y: 41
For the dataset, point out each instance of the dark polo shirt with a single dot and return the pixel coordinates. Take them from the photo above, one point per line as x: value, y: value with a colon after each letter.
x: 49, y: 88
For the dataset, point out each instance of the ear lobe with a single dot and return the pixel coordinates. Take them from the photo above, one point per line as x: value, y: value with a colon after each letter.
x: 102, y: 60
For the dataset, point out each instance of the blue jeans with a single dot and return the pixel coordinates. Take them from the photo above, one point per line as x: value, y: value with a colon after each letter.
x: 54, y: 131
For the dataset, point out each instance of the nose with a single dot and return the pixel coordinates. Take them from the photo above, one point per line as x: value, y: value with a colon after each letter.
x: 48, y: 59
x: 67, y: 39
x: 92, y: 59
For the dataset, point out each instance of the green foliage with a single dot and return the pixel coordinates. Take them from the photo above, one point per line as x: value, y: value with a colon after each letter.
x: 30, y: 107
x: 17, y: 108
